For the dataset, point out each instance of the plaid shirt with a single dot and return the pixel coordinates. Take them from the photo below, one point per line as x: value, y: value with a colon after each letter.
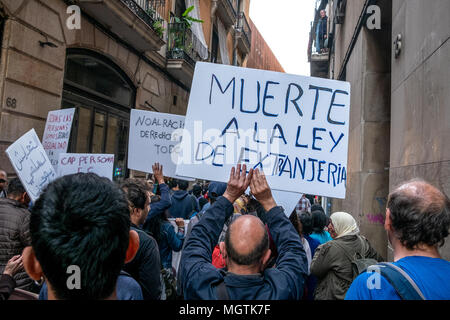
x: 303, y: 205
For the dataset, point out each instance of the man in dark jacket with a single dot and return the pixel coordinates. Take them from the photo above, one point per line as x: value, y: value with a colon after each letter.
x: 145, y: 268
x: 14, y: 230
x: 183, y: 204
x: 246, y: 249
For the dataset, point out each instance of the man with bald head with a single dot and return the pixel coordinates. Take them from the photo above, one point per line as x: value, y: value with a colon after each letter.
x: 417, y: 223
x: 245, y: 250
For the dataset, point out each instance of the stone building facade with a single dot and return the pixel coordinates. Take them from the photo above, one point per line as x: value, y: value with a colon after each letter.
x: 124, y: 54
x: 400, y: 111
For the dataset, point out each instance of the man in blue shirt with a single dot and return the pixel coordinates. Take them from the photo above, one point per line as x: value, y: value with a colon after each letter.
x: 417, y: 223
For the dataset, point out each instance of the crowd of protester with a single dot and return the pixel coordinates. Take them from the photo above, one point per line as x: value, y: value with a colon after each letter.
x: 234, y: 245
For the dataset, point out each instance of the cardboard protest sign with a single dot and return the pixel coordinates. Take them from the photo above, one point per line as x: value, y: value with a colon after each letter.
x: 294, y: 128
x: 154, y: 137
x: 31, y: 163
x: 57, y: 133
x: 100, y: 164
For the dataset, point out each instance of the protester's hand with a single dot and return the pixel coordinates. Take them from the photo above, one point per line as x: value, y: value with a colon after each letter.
x: 238, y: 183
x: 14, y: 265
x: 158, y: 173
x: 261, y: 190
x: 179, y: 222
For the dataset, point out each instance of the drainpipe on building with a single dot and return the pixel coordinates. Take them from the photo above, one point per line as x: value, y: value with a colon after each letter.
x: 213, y: 19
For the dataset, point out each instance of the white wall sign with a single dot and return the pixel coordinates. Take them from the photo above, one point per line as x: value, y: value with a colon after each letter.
x: 57, y: 133
x: 100, y: 164
x: 31, y: 163
x: 294, y: 128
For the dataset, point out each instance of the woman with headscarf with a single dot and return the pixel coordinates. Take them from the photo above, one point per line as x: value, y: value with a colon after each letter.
x: 331, y: 263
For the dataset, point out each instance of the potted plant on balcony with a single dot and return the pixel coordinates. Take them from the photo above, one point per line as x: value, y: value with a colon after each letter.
x: 177, y: 33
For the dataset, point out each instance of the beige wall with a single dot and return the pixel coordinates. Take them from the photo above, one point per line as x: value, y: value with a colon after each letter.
x: 400, y: 115
x: 368, y: 71
x: 420, y: 91
x: 34, y: 75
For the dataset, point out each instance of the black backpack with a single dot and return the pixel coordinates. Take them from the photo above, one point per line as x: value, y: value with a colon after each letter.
x: 359, y: 260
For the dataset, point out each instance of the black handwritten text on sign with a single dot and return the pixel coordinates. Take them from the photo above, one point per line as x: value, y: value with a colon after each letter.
x: 294, y: 128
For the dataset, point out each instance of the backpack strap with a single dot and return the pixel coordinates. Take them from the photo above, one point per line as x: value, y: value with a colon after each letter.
x: 348, y: 255
x: 222, y: 293
x: 405, y: 287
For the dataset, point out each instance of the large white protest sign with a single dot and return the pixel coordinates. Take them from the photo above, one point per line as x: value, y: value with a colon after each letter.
x: 31, y: 163
x: 100, y: 164
x: 57, y: 133
x: 154, y: 137
x: 294, y: 128
x: 287, y: 200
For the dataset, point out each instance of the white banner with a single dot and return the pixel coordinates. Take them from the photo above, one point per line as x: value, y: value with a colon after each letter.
x: 57, y: 133
x: 294, y: 128
x: 100, y: 164
x: 31, y: 163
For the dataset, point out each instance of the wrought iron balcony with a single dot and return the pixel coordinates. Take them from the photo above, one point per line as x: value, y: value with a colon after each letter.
x: 181, y: 53
x: 150, y: 11
x: 244, y: 34
x: 139, y: 22
x: 227, y: 12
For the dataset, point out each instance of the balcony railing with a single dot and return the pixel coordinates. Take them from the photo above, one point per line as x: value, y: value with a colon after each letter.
x: 227, y: 11
x: 244, y: 28
x: 150, y: 11
x: 182, y: 43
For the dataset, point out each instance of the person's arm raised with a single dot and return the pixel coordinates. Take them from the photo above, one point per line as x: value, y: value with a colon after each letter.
x: 196, y: 271
x: 291, y: 264
x: 261, y: 191
x: 238, y: 182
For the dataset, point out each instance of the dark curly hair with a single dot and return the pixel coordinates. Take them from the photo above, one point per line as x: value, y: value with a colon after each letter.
x: 420, y: 214
x: 81, y: 220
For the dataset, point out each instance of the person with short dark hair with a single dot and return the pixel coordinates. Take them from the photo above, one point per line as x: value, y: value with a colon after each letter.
x: 319, y: 222
x: 14, y: 230
x: 145, y: 267
x: 3, y: 183
x: 245, y: 250
x: 184, y: 205
x: 417, y: 223
x: 80, y: 222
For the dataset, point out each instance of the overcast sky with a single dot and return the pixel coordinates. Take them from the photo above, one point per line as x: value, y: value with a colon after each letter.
x: 285, y: 25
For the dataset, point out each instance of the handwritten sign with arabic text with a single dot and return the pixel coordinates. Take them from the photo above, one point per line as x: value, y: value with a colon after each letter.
x: 31, y: 163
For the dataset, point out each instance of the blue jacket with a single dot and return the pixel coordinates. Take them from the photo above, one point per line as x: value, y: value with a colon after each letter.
x: 169, y: 241
x: 126, y: 288
x: 199, y: 277
x: 183, y: 205
x: 160, y: 206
